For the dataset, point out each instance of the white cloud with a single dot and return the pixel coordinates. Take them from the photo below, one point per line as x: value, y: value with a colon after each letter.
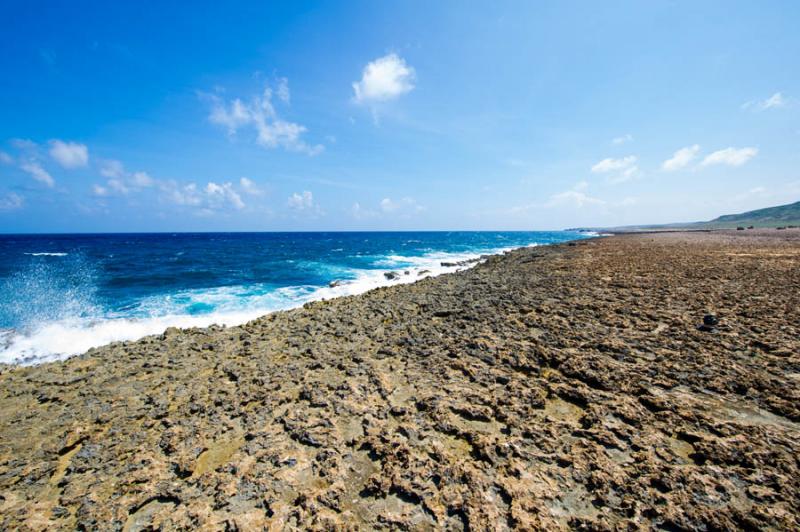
x: 301, y: 202
x: 210, y: 199
x: 112, y: 169
x: 260, y: 116
x: 624, y: 169
x: 187, y: 195
x: 626, y: 175
x: 142, y: 180
x: 680, y: 158
x: 730, y: 156
x: 24, y: 144
x: 6, y: 158
x: 249, y: 187
x: 220, y: 195
x: 623, y: 139
x: 773, y: 102
x: 38, y: 173
x: 404, y: 206
x: 232, y: 116
x: 283, y: 90
x: 120, y: 181
x: 575, y: 197
x: 387, y: 207
x: 776, y: 100
x: 612, y: 165
x: 11, y: 201
x: 118, y: 186
x: 361, y: 213
x: 69, y: 154
x: 384, y: 79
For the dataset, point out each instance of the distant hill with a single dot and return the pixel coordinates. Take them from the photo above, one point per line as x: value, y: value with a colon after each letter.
x: 782, y: 215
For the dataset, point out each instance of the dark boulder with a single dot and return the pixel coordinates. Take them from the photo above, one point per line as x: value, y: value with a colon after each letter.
x: 710, y: 323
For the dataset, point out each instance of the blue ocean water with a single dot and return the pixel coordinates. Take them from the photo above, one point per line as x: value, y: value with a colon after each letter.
x: 62, y: 294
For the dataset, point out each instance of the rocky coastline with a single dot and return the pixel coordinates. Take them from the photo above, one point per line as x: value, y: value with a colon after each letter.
x: 630, y: 382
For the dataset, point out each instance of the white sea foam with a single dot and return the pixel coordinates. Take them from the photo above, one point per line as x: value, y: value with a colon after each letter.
x: 43, y: 254
x: 231, y: 305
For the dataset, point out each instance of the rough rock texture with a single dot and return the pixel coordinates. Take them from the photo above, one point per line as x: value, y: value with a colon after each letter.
x: 558, y: 387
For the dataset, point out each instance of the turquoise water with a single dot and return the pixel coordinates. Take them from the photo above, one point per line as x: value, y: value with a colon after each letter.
x: 62, y: 294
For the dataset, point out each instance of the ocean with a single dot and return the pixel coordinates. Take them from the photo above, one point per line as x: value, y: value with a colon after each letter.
x: 63, y: 294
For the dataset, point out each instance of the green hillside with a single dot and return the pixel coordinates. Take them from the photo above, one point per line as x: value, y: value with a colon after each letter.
x: 780, y: 216
x: 771, y: 216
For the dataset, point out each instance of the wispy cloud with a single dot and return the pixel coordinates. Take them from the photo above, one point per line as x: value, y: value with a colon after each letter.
x: 610, y: 165
x: 301, y: 201
x: 69, y: 154
x: 383, y: 79
x: 730, y: 156
x: 206, y: 200
x: 35, y: 170
x: 681, y: 158
x: 220, y: 196
x: 773, y: 102
x: 623, y: 139
x: 11, y: 202
x: 249, y: 187
x: 362, y: 213
x: 111, y: 169
x: 120, y: 181
x: 142, y: 179
x: 184, y: 195
x: 282, y: 91
x: 260, y: 116
x: 620, y: 170
x: 405, y: 207
x: 575, y: 197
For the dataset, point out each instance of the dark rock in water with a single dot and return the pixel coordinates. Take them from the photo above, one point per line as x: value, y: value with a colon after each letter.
x: 448, y: 264
x: 334, y: 284
x: 391, y: 276
x: 740, y: 228
x: 423, y: 272
x: 406, y: 272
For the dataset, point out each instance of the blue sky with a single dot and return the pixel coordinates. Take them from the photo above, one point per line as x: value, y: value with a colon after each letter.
x: 150, y: 116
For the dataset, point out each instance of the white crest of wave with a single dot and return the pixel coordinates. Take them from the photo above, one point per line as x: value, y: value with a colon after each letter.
x: 231, y: 305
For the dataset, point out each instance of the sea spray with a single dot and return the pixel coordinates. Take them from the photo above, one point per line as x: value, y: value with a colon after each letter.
x: 95, y: 289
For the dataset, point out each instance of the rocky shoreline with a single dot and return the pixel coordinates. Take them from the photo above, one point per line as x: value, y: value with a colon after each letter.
x: 636, y: 381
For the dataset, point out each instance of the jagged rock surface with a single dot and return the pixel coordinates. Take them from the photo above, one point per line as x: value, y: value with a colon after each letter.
x: 559, y: 387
